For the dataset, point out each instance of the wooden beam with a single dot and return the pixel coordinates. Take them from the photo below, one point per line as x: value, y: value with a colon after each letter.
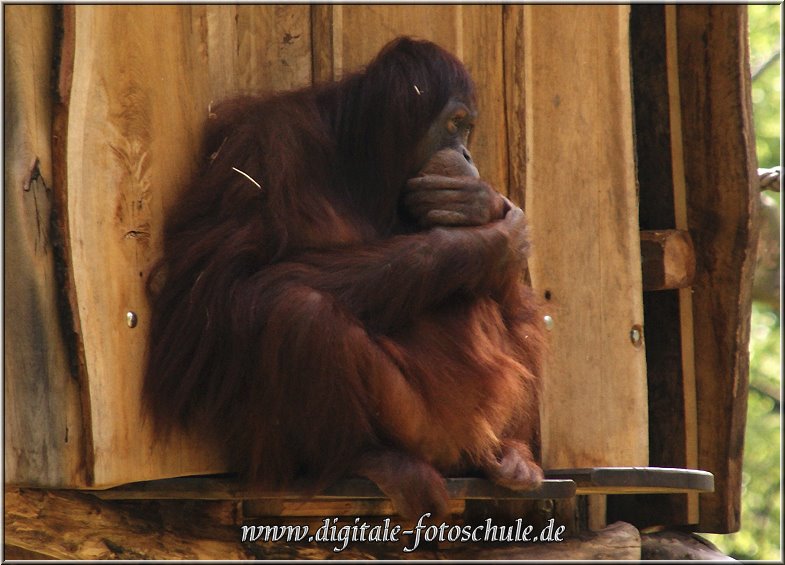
x: 619, y: 541
x: 722, y: 208
x: 73, y: 525
x: 667, y: 259
x: 679, y: 546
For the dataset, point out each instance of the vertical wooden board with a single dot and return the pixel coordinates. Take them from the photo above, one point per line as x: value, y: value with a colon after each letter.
x: 347, y: 37
x: 482, y: 51
x: 686, y: 330
x: 722, y: 207
x: 274, y: 47
x: 122, y: 93
x: 358, y: 32
x: 667, y: 431
x: 135, y: 112
x: 515, y: 103
x: 254, y: 49
x: 44, y: 434
x: 581, y: 202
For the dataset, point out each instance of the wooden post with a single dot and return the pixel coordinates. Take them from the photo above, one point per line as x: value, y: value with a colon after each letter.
x: 722, y: 206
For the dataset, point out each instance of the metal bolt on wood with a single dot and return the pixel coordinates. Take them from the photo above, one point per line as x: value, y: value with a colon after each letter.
x: 131, y: 319
x: 636, y: 335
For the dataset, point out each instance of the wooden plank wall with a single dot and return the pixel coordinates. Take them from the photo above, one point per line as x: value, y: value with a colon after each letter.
x: 133, y: 117
x: 551, y: 135
x: 591, y: 179
x: 44, y: 433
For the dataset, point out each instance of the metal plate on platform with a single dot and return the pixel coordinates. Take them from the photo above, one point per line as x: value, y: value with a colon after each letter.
x: 635, y: 480
x: 212, y: 488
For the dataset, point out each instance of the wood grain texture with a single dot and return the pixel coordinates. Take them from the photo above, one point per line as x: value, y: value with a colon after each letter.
x: 44, y: 433
x: 120, y: 119
x: 254, y: 49
x: 722, y: 206
x: 472, y: 33
x: 581, y: 204
x: 71, y: 525
x: 515, y: 103
x: 679, y: 546
x: 135, y: 111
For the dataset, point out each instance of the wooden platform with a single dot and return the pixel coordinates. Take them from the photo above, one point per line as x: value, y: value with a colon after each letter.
x: 44, y: 524
x: 559, y: 483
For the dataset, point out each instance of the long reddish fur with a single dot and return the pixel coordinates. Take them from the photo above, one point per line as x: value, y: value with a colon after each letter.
x: 305, y: 325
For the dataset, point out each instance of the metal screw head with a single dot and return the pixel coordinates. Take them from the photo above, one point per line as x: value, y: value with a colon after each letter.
x: 636, y: 335
x: 131, y: 319
x: 548, y: 322
x: 546, y: 507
